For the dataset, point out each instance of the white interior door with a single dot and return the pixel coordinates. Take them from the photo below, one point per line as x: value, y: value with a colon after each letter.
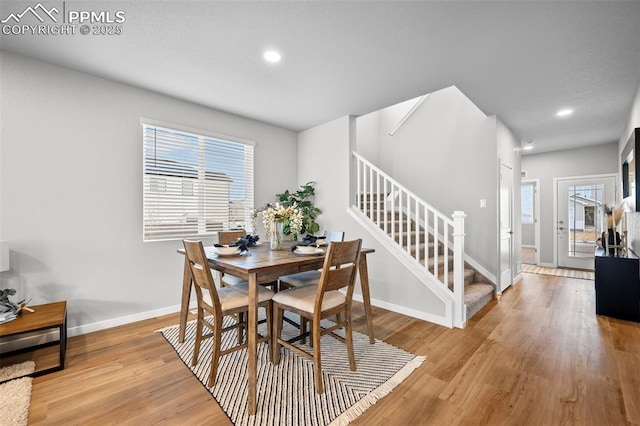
x: 580, y: 218
x: 506, y: 226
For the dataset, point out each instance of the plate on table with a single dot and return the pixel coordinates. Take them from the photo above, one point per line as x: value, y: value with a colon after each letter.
x: 316, y: 252
x: 227, y: 251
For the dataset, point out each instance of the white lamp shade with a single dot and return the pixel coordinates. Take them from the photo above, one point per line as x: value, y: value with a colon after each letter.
x: 4, y: 255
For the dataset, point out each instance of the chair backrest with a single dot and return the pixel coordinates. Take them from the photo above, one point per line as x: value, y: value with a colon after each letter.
x: 340, y: 268
x: 200, y: 271
x: 334, y: 236
x: 227, y: 237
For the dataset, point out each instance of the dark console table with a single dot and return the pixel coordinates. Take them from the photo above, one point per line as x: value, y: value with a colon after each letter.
x: 617, y: 286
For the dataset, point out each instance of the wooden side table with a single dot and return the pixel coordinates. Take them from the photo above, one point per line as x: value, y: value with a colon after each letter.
x: 45, y: 317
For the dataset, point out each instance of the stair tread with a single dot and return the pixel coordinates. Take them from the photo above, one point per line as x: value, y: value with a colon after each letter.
x: 476, y: 291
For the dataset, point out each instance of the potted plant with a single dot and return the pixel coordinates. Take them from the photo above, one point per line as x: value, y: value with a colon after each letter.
x: 294, y: 214
x: 303, y: 200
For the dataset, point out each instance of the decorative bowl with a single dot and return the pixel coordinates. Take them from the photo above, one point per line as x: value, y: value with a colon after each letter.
x: 226, y: 250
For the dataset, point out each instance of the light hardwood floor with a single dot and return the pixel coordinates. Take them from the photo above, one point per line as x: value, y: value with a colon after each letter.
x: 539, y: 356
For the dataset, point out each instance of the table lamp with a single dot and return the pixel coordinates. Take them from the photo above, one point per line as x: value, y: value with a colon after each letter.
x: 4, y: 256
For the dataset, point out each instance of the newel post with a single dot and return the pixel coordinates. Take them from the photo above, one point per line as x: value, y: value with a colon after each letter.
x: 460, y: 316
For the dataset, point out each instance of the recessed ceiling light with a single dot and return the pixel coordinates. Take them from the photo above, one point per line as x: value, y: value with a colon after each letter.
x: 564, y: 112
x: 272, y: 56
x: 528, y: 147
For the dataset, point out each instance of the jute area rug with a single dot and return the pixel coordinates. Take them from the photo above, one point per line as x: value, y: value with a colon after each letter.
x: 15, y: 393
x: 559, y: 272
x: 286, y: 392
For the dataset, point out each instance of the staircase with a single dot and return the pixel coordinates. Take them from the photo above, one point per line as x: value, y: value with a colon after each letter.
x: 429, y: 243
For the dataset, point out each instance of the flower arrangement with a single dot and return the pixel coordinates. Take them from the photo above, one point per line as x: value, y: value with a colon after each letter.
x: 290, y: 216
x: 303, y: 199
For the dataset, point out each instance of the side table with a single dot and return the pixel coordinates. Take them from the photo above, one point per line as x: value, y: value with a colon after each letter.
x: 45, y: 317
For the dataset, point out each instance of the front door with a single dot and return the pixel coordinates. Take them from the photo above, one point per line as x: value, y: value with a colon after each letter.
x: 506, y: 226
x: 580, y: 218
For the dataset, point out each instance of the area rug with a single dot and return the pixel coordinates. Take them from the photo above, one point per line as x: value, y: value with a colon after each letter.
x: 15, y: 393
x: 286, y: 392
x: 559, y: 272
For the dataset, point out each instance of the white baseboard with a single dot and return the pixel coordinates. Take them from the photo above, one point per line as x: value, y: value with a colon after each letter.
x: 527, y: 246
x: 406, y: 311
x: 548, y: 265
x: 115, y: 322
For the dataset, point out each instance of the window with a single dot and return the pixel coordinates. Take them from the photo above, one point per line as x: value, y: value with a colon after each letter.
x: 194, y: 184
x: 526, y: 192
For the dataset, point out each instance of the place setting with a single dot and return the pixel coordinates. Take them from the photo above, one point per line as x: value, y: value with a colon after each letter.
x: 310, y: 246
x: 236, y: 248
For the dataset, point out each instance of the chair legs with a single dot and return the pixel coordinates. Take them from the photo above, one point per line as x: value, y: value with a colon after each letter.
x: 198, y: 340
x: 216, y: 335
x: 215, y: 356
x: 314, y: 341
x: 276, y: 334
x: 315, y: 338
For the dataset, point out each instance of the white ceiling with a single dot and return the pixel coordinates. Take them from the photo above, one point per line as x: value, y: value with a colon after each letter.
x: 520, y: 60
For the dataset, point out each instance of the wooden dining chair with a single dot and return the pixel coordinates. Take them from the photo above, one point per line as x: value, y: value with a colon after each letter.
x: 225, y: 238
x: 220, y: 303
x: 302, y: 279
x: 315, y: 303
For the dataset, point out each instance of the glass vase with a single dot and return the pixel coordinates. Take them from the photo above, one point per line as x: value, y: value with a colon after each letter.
x: 275, y: 235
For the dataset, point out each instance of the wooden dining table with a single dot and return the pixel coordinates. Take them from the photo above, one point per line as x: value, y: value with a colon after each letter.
x: 261, y: 265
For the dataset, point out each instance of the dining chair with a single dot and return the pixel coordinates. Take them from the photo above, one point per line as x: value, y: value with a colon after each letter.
x: 218, y: 304
x: 302, y: 279
x: 225, y: 238
x: 315, y: 303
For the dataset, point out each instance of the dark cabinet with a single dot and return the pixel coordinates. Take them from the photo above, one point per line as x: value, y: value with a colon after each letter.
x: 617, y: 286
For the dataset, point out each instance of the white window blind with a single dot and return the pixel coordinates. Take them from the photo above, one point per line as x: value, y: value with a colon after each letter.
x: 194, y: 185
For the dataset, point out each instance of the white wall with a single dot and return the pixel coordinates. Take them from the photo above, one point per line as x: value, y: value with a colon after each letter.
x: 599, y: 159
x: 446, y: 154
x: 324, y: 156
x: 71, y: 188
x: 632, y: 123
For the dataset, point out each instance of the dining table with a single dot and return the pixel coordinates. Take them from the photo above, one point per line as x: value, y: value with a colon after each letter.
x: 261, y: 265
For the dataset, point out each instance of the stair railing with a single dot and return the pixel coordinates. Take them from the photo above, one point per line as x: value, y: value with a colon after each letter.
x: 413, y: 225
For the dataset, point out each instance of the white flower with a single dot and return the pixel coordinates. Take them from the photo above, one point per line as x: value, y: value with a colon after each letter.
x: 290, y: 216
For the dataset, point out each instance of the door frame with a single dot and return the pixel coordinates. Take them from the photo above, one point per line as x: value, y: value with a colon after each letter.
x: 500, y: 284
x: 555, y: 203
x: 536, y: 216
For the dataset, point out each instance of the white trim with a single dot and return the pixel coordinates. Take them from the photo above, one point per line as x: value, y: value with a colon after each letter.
x: 527, y: 246
x: 115, y: 322
x: 481, y: 269
x: 409, y: 114
x: 172, y: 126
x: 518, y: 278
x: 536, y: 216
x: 547, y: 265
x: 414, y: 313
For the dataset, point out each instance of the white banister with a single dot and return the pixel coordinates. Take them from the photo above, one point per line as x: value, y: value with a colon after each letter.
x: 458, y: 266
x: 404, y: 216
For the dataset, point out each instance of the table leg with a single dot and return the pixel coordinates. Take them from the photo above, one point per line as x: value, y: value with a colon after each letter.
x: 366, y: 298
x: 252, y: 346
x: 186, y: 296
x: 63, y: 341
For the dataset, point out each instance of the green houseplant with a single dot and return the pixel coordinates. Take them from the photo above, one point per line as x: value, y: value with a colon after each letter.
x: 303, y: 200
